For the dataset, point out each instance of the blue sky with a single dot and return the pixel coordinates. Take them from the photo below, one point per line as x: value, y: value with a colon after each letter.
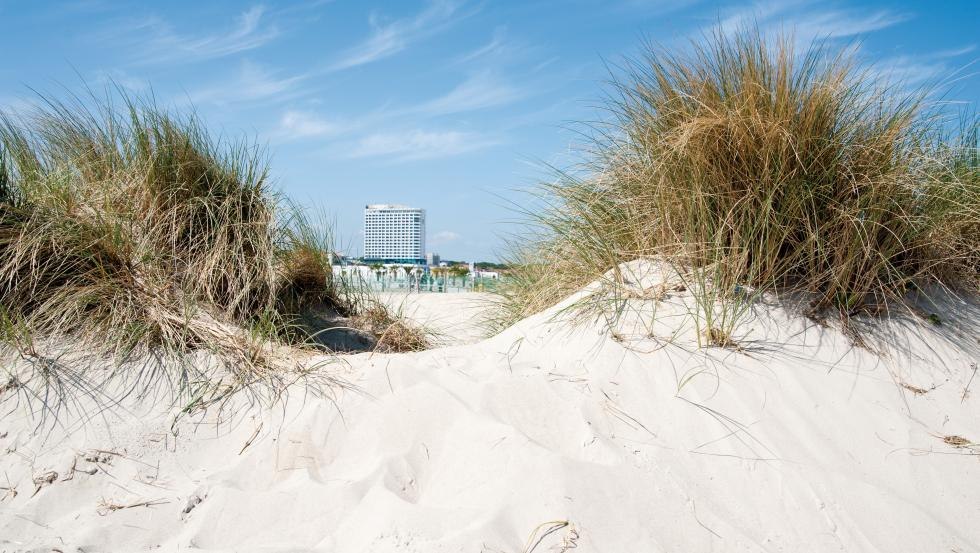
x: 447, y: 104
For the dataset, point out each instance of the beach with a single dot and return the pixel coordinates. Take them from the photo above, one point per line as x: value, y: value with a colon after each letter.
x: 547, y: 431
x: 489, y: 277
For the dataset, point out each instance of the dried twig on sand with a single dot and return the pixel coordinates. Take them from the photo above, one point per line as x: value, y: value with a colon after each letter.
x: 11, y: 490
x: 106, y: 507
x: 44, y: 479
x: 251, y: 439
x: 915, y: 389
x: 966, y: 389
x: 545, y: 529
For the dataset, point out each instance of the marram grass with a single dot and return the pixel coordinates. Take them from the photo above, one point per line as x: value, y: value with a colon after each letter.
x: 750, y: 164
x: 128, y: 232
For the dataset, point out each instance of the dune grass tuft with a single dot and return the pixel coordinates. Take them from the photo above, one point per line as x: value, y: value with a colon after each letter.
x: 129, y: 232
x: 751, y: 165
x: 394, y: 332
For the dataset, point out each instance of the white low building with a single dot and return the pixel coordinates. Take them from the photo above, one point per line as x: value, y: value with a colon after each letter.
x: 493, y: 275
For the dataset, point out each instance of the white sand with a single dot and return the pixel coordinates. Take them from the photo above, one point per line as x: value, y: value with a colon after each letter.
x: 800, y: 442
x: 453, y: 318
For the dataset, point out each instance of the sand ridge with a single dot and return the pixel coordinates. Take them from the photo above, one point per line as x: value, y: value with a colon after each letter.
x: 799, y: 442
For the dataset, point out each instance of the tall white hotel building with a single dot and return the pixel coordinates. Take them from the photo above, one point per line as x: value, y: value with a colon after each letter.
x: 394, y: 234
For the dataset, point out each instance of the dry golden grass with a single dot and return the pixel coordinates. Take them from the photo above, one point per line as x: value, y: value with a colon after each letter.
x: 750, y: 165
x: 128, y: 233
x: 393, y: 332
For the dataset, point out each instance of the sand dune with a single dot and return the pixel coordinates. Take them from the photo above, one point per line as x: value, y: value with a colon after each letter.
x: 638, y: 440
x: 452, y: 318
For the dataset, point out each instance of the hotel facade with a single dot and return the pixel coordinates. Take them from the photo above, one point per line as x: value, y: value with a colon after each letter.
x: 394, y: 234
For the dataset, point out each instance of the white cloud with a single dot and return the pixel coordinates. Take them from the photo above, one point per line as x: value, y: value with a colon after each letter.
x: 807, y: 21
x: 11, y: 105
x: 443, y: 237
x: 839, y: 24
x: 909, y: 70
x: 480, y: 91
x: 299, y: 124
x: 955, y: 52
x: 497, y: 45
x: 915, y: 70
x: 757, y: 12
x: 418, y: 144
x: 118, y: 77
x: 253, y: 83
x: 387, y: 39
x: 156, y: 42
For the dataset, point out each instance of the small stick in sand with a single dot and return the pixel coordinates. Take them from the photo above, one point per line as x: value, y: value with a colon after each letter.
x: 390, y: 387
x: 250, y: 440
x: 106, y: 507
x: 545, y: 529
x: 966, y: 389
x: 11, y: 490
x: 694, y: 508
x: 915, y: 389
x: 71, y: 471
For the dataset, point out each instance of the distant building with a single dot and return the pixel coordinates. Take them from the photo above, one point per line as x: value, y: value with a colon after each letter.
x: 394, y: 234
x: 432, y: 259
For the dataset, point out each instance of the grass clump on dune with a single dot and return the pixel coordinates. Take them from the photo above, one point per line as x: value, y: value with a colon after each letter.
x: 750, y: 164
x: 127, y: 231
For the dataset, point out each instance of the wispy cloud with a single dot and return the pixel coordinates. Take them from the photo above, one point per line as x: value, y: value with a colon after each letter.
x: 756, y: 12
x: 808, y: 21
x: 300, y: 124
x: 956, y: 52
x: 652, y: 6
x: 11, y: 105
x: 481, y: 90
x: 418, y: 144
x: 253, y: 83
x: 443, y: 237
x: 120, y: 78
x: 497, y: 45
x: 156, y: 42
x: 847, y: 23
x: 387, y: 39
x: 915, y: 70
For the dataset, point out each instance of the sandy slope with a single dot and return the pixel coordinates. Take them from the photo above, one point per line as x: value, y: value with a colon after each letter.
x: 642, y: 441
x: 453, y: 318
